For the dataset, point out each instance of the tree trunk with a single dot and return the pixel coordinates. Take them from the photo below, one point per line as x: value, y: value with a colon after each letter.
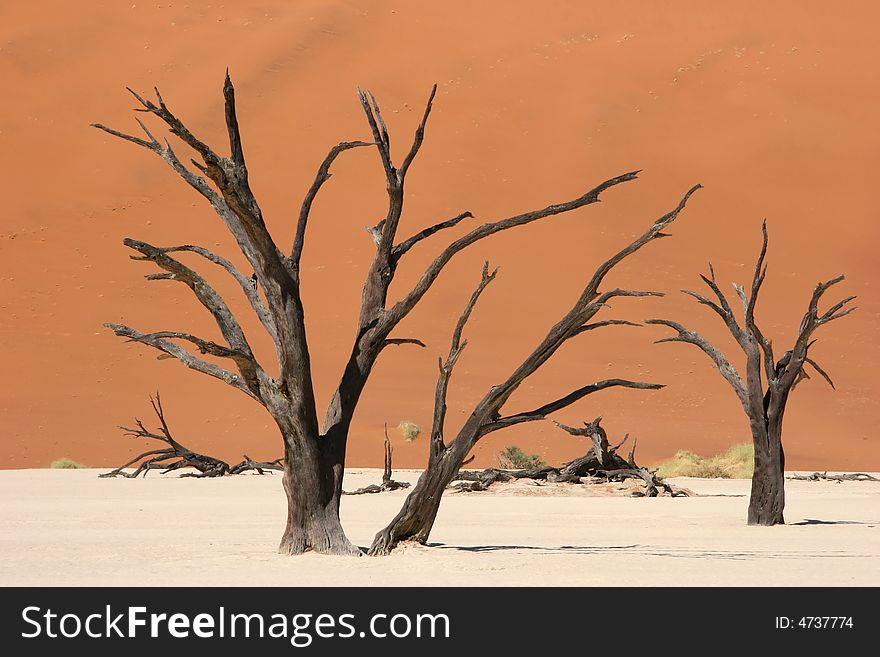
x: 416, y: 518
x: 313, y: 469
x: 767, y: 501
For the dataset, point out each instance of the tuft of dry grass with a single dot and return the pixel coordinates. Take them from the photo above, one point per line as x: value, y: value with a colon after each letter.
x: 65, y: 463
x: 513, y: 458
x: 738, y: 462
x: 409, y: 430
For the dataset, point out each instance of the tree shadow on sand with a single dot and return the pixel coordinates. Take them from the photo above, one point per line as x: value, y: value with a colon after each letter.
x: 579, y: 549
x: 813, y: 521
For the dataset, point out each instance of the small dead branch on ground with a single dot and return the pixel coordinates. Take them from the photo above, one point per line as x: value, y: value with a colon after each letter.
x: 387, y: 482
x: 176, y: 456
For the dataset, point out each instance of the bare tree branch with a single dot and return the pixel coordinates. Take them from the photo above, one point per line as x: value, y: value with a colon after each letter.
x: 247, y: 285
x: 654, y: 232
x: 810, y: 322
x: 185, y: 357
x: 204, y: 346
x: 749, y: 316
x: 152, y: 145
x: 605, y: 297
x: 758, y: 279
x: 380, y: 135
x: 405, y: 305
x: 727, y: 312
x: 235, y: 148
x: 455, y: 349
x: 398, y: 341
x: 551, y: 407
x: 210, y: 299
x: 587, y: 305
x: 822, y: 372
x: 727, y: 370
x: 420, y: 136
x: 607, y: 322
x: 322, y: 176
x: 212, y: 160
x: 398, y: 251
x: 829, y: 314
x: 580, y: 432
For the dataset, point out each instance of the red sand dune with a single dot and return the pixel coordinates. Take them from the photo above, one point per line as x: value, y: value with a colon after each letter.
x: 772, y: 108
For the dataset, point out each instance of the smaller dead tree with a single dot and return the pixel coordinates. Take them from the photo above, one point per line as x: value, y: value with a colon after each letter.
x: 764, y: 407
x: 387, y: 482
x: 445, y: 459
x: 176, y: 456
x: 601, y: 464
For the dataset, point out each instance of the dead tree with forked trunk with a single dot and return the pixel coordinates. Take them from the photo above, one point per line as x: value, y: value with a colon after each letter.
x: 176, y: 457
x: 763, y: 402
x: 416, y: 519
x: 314, y: 451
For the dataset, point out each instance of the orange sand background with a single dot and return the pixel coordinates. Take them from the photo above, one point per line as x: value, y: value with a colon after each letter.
x: 772, y: 108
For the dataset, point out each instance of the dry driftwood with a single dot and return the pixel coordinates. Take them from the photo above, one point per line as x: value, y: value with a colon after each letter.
x: 824, y: 476
x: 176, y: 456
x: 599, y: 465
x: 387, y: 482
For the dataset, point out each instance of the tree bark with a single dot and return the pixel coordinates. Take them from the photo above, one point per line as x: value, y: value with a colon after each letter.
x: 313, y: 486
x: 767, y: 498
x: 415, y: 520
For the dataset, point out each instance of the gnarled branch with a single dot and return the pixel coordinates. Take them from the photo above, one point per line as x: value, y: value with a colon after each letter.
x: 185, y: 357
x: 419, y: 137
x: 727, y: 370
x: 810, y: 322
x: 247, y: 285
x: 543, y: 411
x: 446, y: 367
x: 322, y: 176
x: 405, y: 305
x: 398, y: 251
x: 398, y: 341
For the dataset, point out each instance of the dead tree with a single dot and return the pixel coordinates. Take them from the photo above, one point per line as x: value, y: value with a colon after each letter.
x: 314, y: 452
x: 416, y: 519
x: 176, y: 456
x: 387, y: 482
x: 763, y: 404
x: 600, y: 464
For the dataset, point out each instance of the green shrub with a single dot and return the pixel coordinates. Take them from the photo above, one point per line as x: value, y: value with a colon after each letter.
x: 513, y: 458
x: 66, y: 464
x: 738, y: 462
x: 410, y: 430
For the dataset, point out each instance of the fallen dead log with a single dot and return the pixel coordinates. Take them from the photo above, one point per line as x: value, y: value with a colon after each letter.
x: 824, y: 476
x: 176, y: 456
x: 387, y: 482
x: 600, y: 464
